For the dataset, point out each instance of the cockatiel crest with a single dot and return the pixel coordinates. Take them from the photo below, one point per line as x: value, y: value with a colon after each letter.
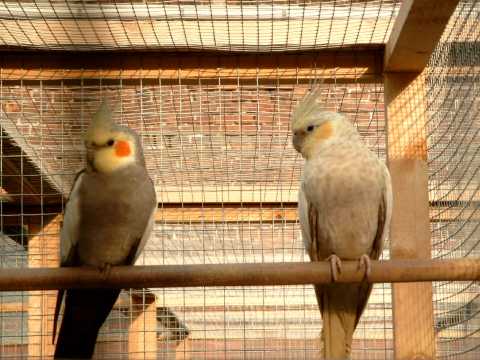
x: 312, y: 124
x: 109, y: 146
x: 345, y: 206
x: 307, y: 107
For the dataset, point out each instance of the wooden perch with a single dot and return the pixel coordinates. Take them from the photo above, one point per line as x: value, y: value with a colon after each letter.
x: 236, y: 274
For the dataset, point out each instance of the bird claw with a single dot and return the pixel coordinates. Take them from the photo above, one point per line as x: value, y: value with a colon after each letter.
x: 366, y: 263
x: 105, y: 270
x: 335, y: 266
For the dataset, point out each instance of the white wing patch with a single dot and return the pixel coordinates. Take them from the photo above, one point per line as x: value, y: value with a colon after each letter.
x: 388, y: 196
x: 304, y: 222
x: 71, y: 223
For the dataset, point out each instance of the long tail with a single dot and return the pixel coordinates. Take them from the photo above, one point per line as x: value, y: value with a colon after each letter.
x: 58, y: 305
x: 85, y: 312
x: 341, y: 306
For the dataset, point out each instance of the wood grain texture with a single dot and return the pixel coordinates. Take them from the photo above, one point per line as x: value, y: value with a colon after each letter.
x: 142, y: 333
x: 410, y: 228
x: 43, y: 251
x: 416, y: 31
x: 350, y: 65
x: 248, y: 274
x: 230, y: 214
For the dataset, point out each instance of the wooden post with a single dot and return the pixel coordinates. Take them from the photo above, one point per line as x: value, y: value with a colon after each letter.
x: 416, y: 31
x: 410, y: 230
x: 43, y: 251
x: 142, y: 335
x: 415, y: 34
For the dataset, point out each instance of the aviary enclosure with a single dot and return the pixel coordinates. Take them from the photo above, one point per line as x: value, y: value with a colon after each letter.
x: 210, y: 86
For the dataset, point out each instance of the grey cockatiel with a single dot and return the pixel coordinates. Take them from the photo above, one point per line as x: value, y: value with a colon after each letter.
x: 108, y: 218
x: 345, y: 205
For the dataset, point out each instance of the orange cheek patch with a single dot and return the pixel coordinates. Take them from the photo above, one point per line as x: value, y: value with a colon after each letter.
x: 325, y: 131
x: 122, y: 148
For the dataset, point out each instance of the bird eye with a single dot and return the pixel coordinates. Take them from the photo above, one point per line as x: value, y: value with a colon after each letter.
x: 310, y: 128
x: 110, y: 142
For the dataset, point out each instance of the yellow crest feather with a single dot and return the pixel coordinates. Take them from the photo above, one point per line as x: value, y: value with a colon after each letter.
x: 103, y: 116
x: 307, y: 106
x: 101, y: 124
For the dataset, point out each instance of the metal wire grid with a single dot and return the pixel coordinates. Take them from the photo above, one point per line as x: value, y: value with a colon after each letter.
x: 274, y: 25
x: 204, y: 143
x: 229, y: 144
x: 454, y: 163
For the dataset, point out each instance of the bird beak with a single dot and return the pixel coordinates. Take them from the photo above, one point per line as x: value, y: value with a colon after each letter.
x: 90, y: 154
x: 297, y: 142
x: 91, y: 148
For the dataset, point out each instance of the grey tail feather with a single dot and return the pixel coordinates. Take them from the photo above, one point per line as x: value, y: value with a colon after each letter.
x: 58, y: 304
x: 85, y: 312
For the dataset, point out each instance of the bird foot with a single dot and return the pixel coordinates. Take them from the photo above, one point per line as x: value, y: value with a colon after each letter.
x: 366, y: 263
x: 335, y: 266
x: 106, y: 269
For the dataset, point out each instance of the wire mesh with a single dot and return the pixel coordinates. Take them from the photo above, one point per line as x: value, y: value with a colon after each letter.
x: 454, y: 178
x: 273, y: 25
x: 225, y: 172
x: 226, y: 177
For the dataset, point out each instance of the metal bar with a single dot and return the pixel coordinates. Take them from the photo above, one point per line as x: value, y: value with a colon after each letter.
x: 294, y: 273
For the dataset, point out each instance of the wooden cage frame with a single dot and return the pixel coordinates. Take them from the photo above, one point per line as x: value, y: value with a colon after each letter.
x: 401, y: 63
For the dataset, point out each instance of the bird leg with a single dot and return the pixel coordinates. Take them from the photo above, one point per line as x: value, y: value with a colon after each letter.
x: 335, y: 266
x: 366, y: 263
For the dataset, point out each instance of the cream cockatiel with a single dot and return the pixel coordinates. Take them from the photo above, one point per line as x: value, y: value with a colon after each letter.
x: 108, y: 218
x: 345, y: 205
